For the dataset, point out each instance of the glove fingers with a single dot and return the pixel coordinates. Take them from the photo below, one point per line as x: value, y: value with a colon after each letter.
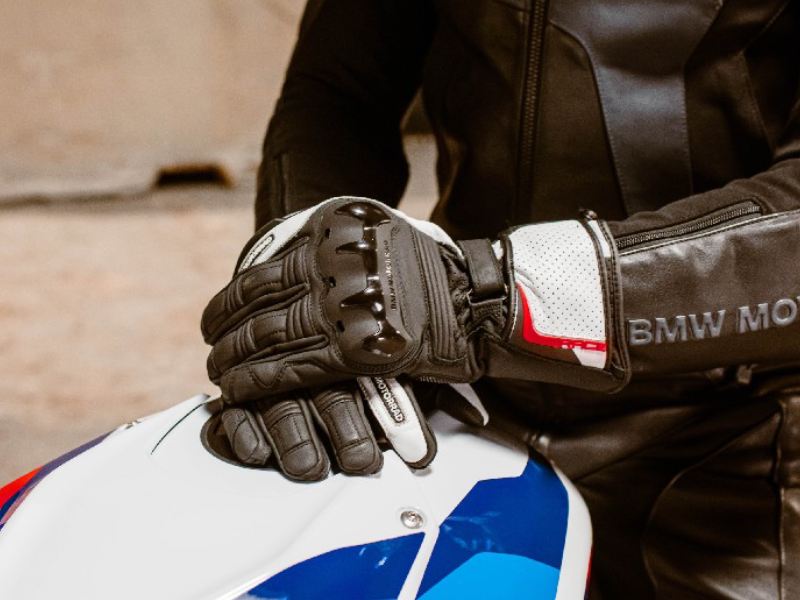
x: 263, y: 335
x: 288, y: 427
x: 340, y: 412
x: 306, y: 368
x: 245, y: 436
x: 271, y: 284
x: 396, y: 410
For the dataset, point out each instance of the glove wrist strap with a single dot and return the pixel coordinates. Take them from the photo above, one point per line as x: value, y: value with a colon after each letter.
x: 488, y: 288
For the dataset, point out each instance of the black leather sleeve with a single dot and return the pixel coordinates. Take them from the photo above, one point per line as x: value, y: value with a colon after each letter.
x: 713, y: 280
x: 336, y: 126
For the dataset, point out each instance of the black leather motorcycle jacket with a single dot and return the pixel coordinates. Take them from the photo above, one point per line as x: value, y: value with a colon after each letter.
x: 675, y: 121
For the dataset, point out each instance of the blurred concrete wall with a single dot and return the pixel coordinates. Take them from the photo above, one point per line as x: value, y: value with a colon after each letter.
x: 100, y: 96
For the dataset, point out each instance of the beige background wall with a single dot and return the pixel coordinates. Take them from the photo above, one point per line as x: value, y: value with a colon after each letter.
x: 101, y: 296
x: 97, y: 96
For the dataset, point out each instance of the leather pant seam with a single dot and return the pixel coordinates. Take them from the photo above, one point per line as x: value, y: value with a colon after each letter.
x: 781, y: 541
x: 645, y: 530
x: 781, y: 500
x: 666, y: 434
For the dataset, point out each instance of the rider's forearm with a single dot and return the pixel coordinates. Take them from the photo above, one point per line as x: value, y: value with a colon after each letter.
x: 709, y: 281
x: 714, y: 280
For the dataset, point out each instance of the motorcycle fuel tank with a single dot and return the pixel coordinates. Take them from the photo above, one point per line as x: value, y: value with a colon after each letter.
x: 148, y: 512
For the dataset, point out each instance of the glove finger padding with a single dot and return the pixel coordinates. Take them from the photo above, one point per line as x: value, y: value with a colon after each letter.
x: 245, y: 436
x: 274, y: 284
x: 283, y: 430
x: 264, y: 335
x: 339, y: 411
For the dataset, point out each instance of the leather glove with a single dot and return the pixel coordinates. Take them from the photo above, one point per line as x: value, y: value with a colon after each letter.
x: 354, y: 288
x: 305, y: 433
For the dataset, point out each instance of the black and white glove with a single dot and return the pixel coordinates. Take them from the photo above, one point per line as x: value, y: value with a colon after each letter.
x: 353, y: 288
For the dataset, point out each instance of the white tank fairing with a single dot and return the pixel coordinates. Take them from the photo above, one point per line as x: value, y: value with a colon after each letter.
x: 148, y: 512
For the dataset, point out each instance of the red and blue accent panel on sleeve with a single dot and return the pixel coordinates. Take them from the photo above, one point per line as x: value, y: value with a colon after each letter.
x: 13, y: 494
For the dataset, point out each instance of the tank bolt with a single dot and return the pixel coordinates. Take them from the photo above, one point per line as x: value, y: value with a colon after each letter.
x: 412, y: 518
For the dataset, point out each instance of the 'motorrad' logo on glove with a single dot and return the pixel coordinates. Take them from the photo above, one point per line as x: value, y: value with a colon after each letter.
x: 388, y: 399
x: 387, y: 340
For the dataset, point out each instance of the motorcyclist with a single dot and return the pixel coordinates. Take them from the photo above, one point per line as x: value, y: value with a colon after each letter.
x: 620, y: 191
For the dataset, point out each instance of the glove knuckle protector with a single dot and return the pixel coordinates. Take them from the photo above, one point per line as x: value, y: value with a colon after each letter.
x: 367, y: 285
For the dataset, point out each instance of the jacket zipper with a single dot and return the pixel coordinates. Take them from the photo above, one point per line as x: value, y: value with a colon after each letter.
x: 530, y: 100
x: 721, y: 217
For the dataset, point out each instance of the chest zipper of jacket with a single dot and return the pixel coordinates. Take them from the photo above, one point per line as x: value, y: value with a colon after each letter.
x: 530, y: 102
x: 707, y: 223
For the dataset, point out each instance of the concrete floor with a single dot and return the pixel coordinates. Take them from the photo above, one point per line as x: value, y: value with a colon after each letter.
x: 100, y: 304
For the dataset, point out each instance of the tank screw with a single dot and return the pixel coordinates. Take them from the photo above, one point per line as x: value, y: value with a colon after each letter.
x: 412, y: 518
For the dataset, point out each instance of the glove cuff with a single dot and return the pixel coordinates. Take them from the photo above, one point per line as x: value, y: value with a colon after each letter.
x: 564, y: 323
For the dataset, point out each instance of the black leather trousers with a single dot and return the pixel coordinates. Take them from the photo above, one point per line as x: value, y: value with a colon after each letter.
x: 694, y: 493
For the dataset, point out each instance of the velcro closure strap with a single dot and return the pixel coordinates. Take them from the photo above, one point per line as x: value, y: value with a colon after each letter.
x: 485, y: 273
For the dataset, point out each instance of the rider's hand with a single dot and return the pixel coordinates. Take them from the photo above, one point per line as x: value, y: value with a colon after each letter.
x: 351, y: 288
x: 299, y: 430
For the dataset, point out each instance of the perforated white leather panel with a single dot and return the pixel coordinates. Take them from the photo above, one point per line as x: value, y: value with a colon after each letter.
x: 557, y: 265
